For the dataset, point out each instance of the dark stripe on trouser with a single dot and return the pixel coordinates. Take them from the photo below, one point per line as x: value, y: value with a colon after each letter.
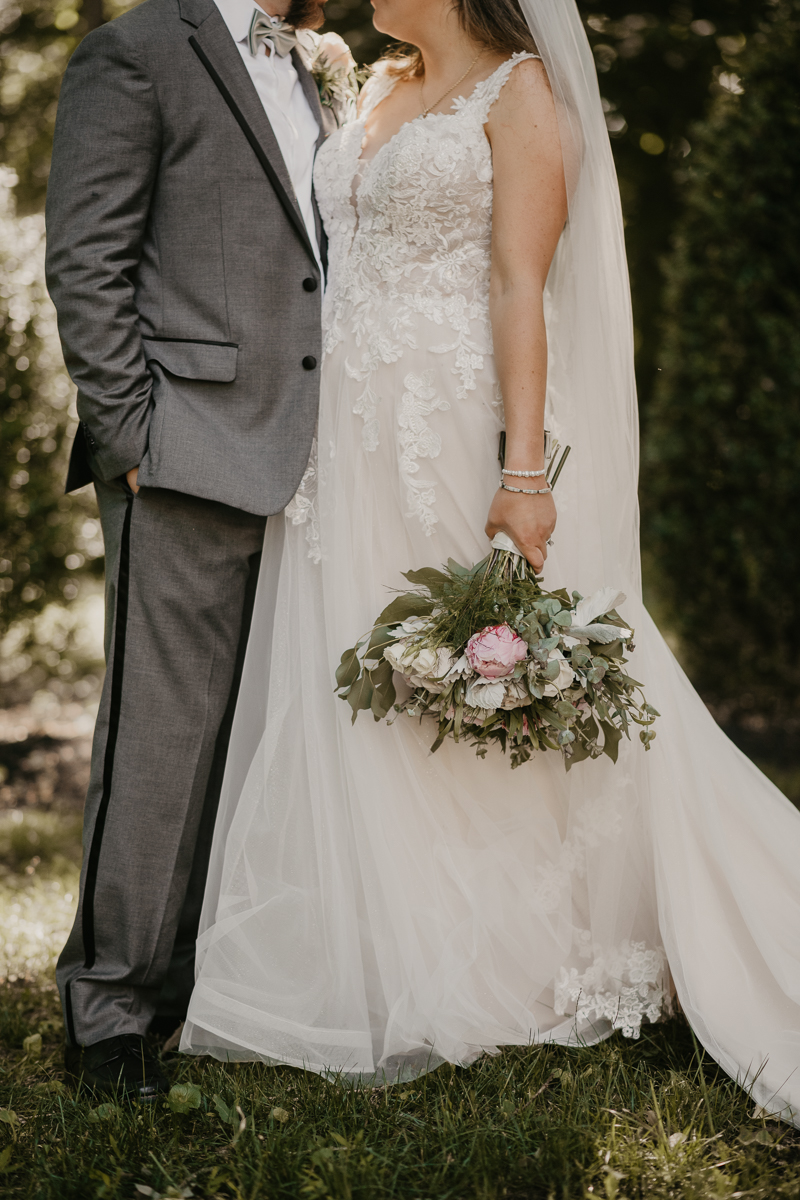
x: 121, y: 621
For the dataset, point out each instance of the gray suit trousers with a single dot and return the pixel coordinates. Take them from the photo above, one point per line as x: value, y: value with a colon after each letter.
x: 180, y: 583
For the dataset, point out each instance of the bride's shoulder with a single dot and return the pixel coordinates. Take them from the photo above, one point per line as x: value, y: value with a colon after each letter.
x: 522, y: 91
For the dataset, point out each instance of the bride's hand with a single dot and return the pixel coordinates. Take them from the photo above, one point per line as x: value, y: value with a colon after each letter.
x: 527, y: 520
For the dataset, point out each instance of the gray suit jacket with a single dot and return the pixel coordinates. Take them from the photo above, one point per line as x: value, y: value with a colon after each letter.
x: 187, y: 290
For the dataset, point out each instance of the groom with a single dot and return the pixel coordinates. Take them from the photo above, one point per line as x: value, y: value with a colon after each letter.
x: 185, y: 259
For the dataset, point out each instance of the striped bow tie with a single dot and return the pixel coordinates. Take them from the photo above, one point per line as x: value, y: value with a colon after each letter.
x: 282, y: 36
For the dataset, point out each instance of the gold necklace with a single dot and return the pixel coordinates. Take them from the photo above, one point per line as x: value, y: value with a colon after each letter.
x: 430, y: 107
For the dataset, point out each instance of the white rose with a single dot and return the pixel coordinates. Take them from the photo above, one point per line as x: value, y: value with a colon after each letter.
x: 425, y: 663
x: 336, y: 50
x: 563, y: 679
x: 395, y: 655
x: 485, y: 693
x: 516, y: 694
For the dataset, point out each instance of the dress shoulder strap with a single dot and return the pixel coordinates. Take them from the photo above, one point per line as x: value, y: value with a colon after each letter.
x: 377, y: 88
x: 487, y: 91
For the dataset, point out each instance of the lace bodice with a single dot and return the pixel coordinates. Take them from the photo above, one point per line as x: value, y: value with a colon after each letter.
x: 409, y: 258
x: 414, y: 233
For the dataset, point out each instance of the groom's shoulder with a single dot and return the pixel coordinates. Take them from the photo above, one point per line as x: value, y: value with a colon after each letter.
x: 150, y: 24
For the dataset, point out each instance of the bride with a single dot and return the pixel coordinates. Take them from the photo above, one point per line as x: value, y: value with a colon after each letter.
x: 373, y: 910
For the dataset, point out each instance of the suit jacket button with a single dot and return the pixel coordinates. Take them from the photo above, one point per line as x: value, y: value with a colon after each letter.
x: 309, y: 362
x: 310, y: 284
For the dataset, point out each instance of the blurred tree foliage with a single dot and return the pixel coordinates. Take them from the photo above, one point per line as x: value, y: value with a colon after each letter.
x: 46, y: 539
x: 720, y: 477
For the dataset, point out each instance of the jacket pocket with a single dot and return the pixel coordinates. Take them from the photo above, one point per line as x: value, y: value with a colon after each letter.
x: 190, y: 359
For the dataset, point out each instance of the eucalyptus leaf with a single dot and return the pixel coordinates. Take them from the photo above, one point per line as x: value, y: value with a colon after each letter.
x: 427, y: 577
x: 382, y: 635
x: 612, y: 740
x: 349, y: 668
x: 563, y: 596
x: 360, y: 695
x: 402, y: 607
x: 554, y: 719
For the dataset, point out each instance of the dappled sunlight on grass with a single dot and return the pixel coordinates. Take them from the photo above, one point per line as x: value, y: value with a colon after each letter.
x: 39, y: 856
x: 652, y: 1119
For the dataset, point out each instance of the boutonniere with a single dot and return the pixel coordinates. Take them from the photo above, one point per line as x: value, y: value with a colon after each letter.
x: 334, y: 71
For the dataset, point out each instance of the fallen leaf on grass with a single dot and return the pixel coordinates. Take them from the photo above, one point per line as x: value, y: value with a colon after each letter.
x: 172, y: 1193
x: 33, y: 1046
x: 51, y: 1087
x: 102, y: 1112
x: 183, y: 1097
x: 280, y: 1114
x: 5, y: 1159
x: 758, y: 1137
x: 9, y: 1117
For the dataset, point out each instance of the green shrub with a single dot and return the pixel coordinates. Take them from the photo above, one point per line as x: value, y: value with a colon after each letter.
x: 720, y: 479
x: 46, y: 538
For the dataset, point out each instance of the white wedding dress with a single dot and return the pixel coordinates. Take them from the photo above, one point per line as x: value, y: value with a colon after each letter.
x: 374, y: 910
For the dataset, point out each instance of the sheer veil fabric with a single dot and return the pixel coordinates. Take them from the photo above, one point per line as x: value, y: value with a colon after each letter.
x: 373, y: 910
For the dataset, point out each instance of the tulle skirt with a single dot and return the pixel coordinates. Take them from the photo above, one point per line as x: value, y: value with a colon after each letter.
x: 373, y: 909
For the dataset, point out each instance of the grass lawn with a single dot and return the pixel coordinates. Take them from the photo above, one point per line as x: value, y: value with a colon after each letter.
x: 650, y: 1118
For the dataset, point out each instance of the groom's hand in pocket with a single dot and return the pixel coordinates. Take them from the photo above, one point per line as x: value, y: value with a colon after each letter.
x: 132, y: 477
x: 527, y: 520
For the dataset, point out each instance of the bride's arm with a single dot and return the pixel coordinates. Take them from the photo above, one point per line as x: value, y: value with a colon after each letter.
x: 529, y: 211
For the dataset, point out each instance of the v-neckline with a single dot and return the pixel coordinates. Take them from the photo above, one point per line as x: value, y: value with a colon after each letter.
x: 363, y: 164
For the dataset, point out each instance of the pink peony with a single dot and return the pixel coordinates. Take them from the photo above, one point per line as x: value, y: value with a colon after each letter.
x: 495, y: 651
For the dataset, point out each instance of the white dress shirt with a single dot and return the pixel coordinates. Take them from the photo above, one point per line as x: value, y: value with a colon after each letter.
x: 282, y: 96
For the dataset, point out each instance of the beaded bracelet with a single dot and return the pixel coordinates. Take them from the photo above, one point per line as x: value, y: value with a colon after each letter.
x: 526, y: 474
x: 524, y: 491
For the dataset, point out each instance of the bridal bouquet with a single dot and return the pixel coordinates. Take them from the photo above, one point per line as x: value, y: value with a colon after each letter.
x: 491, y: 656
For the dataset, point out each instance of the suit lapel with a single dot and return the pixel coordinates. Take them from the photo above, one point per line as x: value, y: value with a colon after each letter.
x: 220, y: 56
x: 322, y: 115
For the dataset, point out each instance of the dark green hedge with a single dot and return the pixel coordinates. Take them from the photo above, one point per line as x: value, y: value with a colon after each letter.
x: 721, y: 476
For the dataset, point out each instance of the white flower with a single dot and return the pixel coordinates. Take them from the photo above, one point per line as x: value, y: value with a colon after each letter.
x: 585, y: 628
x: 563, y: 679
x: 425, y: 663
x: 413, y: 624
x: 457, y: 668
x: 395, y: 655
x: 600, y: 602
x: 424, y: 667
x: 336, y: 50
x: 516, y: 694
x: 485, y: 693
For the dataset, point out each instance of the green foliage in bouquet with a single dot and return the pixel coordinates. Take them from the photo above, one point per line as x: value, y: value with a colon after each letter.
x: 493, y: 657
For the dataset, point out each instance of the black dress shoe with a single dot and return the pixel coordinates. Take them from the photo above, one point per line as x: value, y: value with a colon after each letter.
x: 122, y: 1066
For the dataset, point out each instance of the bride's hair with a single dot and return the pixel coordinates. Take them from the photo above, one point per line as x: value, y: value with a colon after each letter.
x: 496, y: 24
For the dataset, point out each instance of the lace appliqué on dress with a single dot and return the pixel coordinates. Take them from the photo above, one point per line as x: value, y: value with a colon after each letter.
x: 624, y: 987
x: 412, y: 246
x: 302, y: 508
x: 418, y: 440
